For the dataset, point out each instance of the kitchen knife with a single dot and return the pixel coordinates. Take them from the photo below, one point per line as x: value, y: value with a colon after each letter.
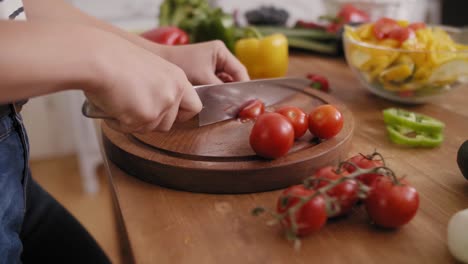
x: 223, y: 101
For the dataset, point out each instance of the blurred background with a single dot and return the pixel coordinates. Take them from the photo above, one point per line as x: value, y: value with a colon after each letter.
x: 64, y: 146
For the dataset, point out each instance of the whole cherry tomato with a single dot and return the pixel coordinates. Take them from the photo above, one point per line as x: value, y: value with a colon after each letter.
x: 310, y: 218
x: 299, y: 120
x: 364, y: 163
x: 167, y: 35
x: 272, y: 136
x: 325, y: 121
x: 391, y: 205
x: 346, y: 193
x: 252, y: 110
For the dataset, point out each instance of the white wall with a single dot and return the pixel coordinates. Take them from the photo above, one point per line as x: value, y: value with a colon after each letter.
x: 49, y: 118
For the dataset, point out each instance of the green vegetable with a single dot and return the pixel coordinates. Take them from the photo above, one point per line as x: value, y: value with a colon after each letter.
x: 311, y: 34
x: 404, y: 136
x: 411, y: 120
x: 201, y: 21
x: 217, y: 26
x: 413, y: 129
x: 311, y: 45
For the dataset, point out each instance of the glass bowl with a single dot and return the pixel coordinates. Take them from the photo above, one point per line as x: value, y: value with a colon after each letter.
x: 384, y: 72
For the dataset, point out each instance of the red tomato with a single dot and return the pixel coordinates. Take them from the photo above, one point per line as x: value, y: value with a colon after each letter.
x: 298, y: 119
x: 272, y: 136
x: 310, y: 218
x: 351, y: 14
x: 417, y: 26
x: 325, y: 121
x: 167, y: 35
x: 384, y: 26
x: 252, y: 110
x: 345, y: 193
x: 319, y: 82
x: 400, y: 34
x: 364, y: 163
x: 391, y: 205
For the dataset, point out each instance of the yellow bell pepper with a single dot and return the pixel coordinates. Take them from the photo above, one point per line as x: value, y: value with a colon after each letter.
x: 264, y: 57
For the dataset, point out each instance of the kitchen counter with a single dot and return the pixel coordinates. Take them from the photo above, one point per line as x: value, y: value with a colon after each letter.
x: 160, y: 225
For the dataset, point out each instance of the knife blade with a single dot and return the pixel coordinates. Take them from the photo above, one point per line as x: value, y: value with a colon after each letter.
x: 223, y: 101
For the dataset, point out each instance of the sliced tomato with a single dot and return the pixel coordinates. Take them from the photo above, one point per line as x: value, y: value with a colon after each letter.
x: 384, y: 26
x: 417, y: 26
x: 400, y: 34
x: 351, y: 14
x: 252, y: 110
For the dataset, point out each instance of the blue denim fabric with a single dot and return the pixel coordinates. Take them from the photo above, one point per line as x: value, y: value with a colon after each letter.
x: 13, y: 168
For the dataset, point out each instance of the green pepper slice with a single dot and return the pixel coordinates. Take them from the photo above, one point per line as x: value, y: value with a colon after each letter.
x: 404, y: 136
x: 414, y: 121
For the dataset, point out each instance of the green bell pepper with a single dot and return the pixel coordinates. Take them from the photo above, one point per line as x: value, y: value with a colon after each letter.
x: 415, y: 121
x: 404, y: 136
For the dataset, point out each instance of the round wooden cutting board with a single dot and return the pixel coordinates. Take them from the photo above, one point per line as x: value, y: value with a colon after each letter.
x: 218, y: 159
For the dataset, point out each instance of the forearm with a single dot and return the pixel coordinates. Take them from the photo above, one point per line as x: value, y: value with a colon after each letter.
x: 62, y: 12
x: 37, y: 59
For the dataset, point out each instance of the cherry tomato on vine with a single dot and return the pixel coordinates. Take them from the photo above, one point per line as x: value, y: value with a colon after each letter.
x: 252, y: 110
x: 272, y: 135
x: 325, y: 121
x: 310, y: 218
x: 364, y: 163
x: 391, y: 204
x: 299, y: 120
x: 346, y: 193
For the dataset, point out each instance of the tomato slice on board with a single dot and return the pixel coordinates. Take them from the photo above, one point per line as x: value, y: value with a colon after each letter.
x: 251, y: 110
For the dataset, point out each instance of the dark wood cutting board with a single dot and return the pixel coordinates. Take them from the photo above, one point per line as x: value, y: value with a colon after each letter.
x: 218, y: 159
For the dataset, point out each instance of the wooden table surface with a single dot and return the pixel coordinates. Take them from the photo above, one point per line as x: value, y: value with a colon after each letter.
x: 167, y: 226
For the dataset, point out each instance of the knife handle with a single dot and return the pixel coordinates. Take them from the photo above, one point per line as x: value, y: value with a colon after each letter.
x: 90, y: 110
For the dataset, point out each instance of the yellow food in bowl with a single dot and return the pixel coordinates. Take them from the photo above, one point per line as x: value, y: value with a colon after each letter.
x: 420, y: 62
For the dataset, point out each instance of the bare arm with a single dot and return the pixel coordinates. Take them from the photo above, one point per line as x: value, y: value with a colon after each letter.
x: 201, y: 62
x: 61, y: 11
x: 36, y: 59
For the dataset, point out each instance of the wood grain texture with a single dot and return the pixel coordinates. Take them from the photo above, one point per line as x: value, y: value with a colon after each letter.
x: 218, y: 158
x: 168, y: 226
